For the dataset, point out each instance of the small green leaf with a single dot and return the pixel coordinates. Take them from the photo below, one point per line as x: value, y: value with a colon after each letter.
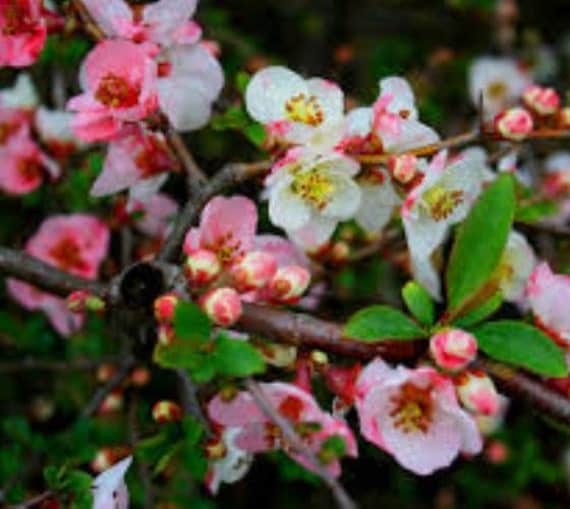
x: 191, y: 323
x: 522, y: 345
x: 234, y: 357
x: 256, y: 134
x: 242, y: 81
x: 480, y: 313
x: 419, y: 302
x: 378, y: 323
x: 480, y: 242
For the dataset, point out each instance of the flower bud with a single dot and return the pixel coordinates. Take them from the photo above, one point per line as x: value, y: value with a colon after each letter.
x: 166, y: 411
x: 341, y: 380
x: 541, y: 100
x: 166, y: 334
x: 403, y: 168
x: 254, y: 271
x: 112, y: 403
x: 81, y: 301
x: 202, y: 267
x: 222, y: 305
x: 105, y: 372
x: 339, y: 252
x: 477, y: 393
x: 514, y: 124
x: 564, y: 118
x: 215, y: 448
x: 164, y: 307
x: 496, y: 452
x: 140, y: 377
x: 106, y: 457
x: 289, y: 283
x: 453, y: 349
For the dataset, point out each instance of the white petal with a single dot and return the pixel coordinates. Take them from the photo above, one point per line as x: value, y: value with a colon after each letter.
x: 330, y: 98
x: 424, y: 234
x: 286, y: 209
x: 346, y: 198
x: 426, y: 274
x: 22, y: 95
x: 402, y: 96
x: 108, y: 14
x: 558, y: 161
x: 144, y: 189
x: 377, y: 204
x: 119, y: 171
x: 359, y: 121
x: 521, y: 260
x: 315, y: 233
x: 166, y: 16
x: 269, y: 90
x: 413, y: 134
x: 187, y: 108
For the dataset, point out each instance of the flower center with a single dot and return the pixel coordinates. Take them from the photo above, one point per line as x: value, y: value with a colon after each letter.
x: 29, y: 169
x: 291, y: 408
x: 442, y: 202
x: 227, y: 249
x: 306, y: 110
x: 17, y: 19
x: 116, y: 92
x: 412, y: 409
x: 497, y: 90
x: 153, y: 158
x: 67, y: 254
x: 314, y: 186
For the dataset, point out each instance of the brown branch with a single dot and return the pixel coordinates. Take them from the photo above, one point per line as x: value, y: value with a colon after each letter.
x: 34, y: 501
x: 88, y: 22
x: 342, y: 498
x: 190, y: 402
x: 195, y: 176
x: 230, y: 174
x: 32, y: 270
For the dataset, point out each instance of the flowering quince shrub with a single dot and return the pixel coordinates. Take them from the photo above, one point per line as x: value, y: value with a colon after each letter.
x: 368, y: 287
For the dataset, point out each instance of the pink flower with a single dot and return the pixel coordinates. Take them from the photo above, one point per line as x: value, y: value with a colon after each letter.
x: 119, y: 83
x: 109, y: 488
x: 76, y: 244
x: 24, y: 165
x: 23, y: 32
x: 414, y: 415
x: 544, y: 101
x: 257, y: 433
x: 139, y: 161
x: 155, y: 215
x: 227, y: 228
x: 514, y: 124
x: 548, y: 295
x: 453, y: 349
x: 164, y: 22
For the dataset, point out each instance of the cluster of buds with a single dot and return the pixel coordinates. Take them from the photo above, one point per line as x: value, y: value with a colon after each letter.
x: 453, y: 349
x: 540, y: 100
x: 82, y: 301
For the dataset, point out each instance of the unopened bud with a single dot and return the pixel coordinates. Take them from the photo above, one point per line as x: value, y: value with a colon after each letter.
x: 542, y: 100
x: 106, y: 457
x: 289, y: 283
x: 81, y: 301
x: 105, y: 372
x: 254, y: 271
x: 166, y: 334
x: 496, y: 452
x: 564, y: 118
x: 164, y: 307
x: 215, y: 449
x: 202, y: 267
x: 140, y: 377
x: 166, y: 411
x: 477, y: 393
x: 340, y: 251
x: 403, y: 168
x: 222, y: 305
x: 453, y: 349
x: 112, y: 403
x: 514, y: 124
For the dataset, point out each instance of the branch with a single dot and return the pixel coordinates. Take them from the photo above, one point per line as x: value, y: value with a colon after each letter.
x: 230, y: 174
x: 342, y: 498
x: 190, y: 401
x: 16, y: 366
x: 195, y: 176
x: 31, y: 270
x: 35, y: 501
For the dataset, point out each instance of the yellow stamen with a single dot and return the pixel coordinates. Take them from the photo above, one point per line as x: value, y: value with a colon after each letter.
x: 306, y: 110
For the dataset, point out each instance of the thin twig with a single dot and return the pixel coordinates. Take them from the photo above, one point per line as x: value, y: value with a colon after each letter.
x: 34, y: 501
x: 342, y: 498
x: 195, y: 176
x: 190, y: 401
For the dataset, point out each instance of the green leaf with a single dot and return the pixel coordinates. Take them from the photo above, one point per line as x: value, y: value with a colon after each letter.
x: 480, y: 242
x: 234, y: 357
x: 378, y: 323
x: 522, y: 345
x: 256, y: 134
x: 480, y: 313
x: 419, y: 302
x: 191, y: 323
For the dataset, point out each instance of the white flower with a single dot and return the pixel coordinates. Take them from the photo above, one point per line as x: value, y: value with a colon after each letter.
x: 516, y: 266
x: 54, y: 128
x: 22, y: 95
x: 391, y: 124
x: 309, y: 193
x: 499, y: 80
x: 442, y: 199
x: 296, y: 110
x: 109, y: 488
x: 377, y: 203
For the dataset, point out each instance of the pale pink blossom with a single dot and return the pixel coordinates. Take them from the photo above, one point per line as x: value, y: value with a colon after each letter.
x: 165, y: 22
x: 258, y: 434
x: 76, y: 244
x: 514, y: 124
x: 109, y: 487
x: 414, y: 416
x: 549, y: 295
x: 542, y: 100
x: 119, y: 83
x: 453, y: 349
x: 154, y: 216
x: 23, y: 32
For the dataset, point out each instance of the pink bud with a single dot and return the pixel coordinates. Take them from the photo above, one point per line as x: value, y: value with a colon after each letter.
x: 544, y: 101
x: 477, y: 393
x: 166, y: 411
x: 140, y: 377
x: 222, y: 305
x: 106, y: 457
x: 514, y: 124
x: 202, y: 267
x: 112, y: 403
x: 166, y: 334
x: 164, y: 307
x: 81, y: 301
x: 289, y: 283
x: 453, y: 349
x: 105, y: 372
x: 564, y: 118
x: 403, y: 168
x: 254, y: 271
x: 496, y: 452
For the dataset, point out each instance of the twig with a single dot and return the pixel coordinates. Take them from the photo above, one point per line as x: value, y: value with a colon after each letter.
x: 34, y: 501
x: 342, y: 498
x: 230, y: 174
x: 117, y: 379
x: 195, y: 176
x: 190, y: 401
x: 88, y: 23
